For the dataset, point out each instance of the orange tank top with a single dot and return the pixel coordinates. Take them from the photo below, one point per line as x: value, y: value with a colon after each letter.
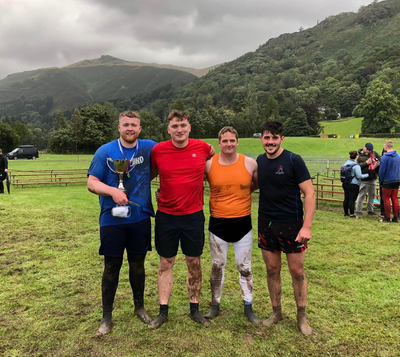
x: 230, y: 189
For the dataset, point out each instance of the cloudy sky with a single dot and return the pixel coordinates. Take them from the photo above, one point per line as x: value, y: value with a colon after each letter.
x: 193, y: 33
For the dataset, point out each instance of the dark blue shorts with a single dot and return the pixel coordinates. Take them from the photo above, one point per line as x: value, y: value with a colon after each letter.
x: 280, y: 237
x: 135, y: 237
x: 188, y: 229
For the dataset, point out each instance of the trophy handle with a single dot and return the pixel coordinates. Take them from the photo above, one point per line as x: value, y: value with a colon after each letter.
x: 133, y: 166
x: 109, y: 159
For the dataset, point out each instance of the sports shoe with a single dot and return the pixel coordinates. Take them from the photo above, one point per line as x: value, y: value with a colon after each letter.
x: 395, y: 220
x: 385, y: 220
x: 372, y: 213
x: 359, y: 213
x: 354, y: 217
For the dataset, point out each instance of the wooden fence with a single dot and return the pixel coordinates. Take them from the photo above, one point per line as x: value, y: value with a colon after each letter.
x: 46, y: 177
x: 329, y: 188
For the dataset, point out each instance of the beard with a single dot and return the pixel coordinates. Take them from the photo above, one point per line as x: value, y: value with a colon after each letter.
x: 276, y: 148
x: 129, y: 138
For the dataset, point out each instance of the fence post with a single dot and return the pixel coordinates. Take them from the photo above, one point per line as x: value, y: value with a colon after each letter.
x: 317, y: 187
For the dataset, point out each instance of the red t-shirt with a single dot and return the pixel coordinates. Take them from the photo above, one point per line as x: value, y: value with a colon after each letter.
x: 181, y: 173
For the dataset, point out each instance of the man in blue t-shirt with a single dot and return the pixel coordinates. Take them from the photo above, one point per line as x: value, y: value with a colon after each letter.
x: 282, y: 176
x: 129, y: 228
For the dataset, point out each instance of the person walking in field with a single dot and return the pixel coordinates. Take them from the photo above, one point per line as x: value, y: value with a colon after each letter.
x: 389, y: 178
x: 180, y: 162
x: 232, y: 177
x: 282, y: 177
x: 352, y: 184
x: 3, y: 170
x: 133, y: 232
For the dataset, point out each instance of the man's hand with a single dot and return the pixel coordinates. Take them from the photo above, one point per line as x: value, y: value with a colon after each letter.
x: 212, y: 151
x: 5, y: 170
x: 304, y: 235
x: 158, y: 195
x: 119, y: 197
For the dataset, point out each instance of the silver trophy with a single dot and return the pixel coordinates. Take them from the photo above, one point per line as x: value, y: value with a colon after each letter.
x: 121, y: 167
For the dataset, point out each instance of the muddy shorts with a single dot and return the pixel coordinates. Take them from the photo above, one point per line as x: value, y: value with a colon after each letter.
x: 280, y: 237
x: 188, y: 229
x: 135, y: 237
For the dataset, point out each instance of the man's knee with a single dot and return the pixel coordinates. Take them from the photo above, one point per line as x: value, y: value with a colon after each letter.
x: 273, y: 269
x: 166, y: 264
x: 244, y: 267
x: 193, y: 264
x: 297, y: 272
x: 245, y: 272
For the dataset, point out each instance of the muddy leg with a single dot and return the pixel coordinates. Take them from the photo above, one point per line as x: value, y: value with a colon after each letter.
x: 137, y: 281
x: 299, y: 281
x: 273, y: 263
x: 219, y: 251
x: 109, y: 286
x: 165, y: 283
x: 193, y: 284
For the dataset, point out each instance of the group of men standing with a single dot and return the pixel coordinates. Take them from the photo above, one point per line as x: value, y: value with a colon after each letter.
x: 182, y: 164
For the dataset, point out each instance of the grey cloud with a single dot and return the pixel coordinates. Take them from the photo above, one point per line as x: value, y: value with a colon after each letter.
x: 194, y: 33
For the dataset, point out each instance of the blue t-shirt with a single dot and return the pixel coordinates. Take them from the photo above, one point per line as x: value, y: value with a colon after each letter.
x: 279, y: 180
x: 137, y: 185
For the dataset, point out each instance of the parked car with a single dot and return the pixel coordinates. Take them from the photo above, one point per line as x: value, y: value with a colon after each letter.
x: 257, y: 135
x: 24, y: 152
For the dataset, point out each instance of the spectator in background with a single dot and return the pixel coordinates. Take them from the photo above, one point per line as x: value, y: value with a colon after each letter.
x: 368, y: 159
x: 381, y: 205
x: 351, y: 189
x: 389, y: 178
x: 3, y: 170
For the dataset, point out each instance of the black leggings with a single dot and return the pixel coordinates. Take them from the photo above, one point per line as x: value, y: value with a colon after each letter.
x: 112, y: 267
x: 350, y: 196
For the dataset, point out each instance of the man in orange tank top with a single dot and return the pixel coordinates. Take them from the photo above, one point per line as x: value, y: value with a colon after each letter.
x: 232, y: 177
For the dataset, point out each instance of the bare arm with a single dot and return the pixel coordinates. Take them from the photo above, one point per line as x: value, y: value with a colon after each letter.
x: 251, y: 166
x: 207, y: 168
x: 154, y: 172
x: 307, y: 189
x: 99, y: 188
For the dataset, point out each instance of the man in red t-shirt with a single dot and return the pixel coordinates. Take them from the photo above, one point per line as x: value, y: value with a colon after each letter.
x: 180, y: 162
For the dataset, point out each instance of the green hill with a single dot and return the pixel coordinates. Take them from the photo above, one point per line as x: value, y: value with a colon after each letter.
x: 344, y: 128
x: 327, y: 60
x: 328, y: 66
x: 87, y: 82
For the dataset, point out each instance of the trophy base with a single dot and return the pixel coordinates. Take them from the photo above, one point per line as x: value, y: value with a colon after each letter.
x: 121, y: 211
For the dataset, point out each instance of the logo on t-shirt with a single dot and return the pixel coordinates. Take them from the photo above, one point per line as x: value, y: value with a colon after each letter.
x: 279, y: 171
x: 194, y: 155
x: 137, y: 160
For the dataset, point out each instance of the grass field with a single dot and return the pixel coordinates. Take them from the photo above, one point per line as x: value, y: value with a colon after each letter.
x: 344, y: 128
x: 50, y: 274
x: 50, y: 297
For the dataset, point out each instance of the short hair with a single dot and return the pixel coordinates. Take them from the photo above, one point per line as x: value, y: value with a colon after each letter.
x: 389, y: 144
x: 178, y: 114
x: 129, y: 114
x: 228, y: 129
x: 353, y: 154
x: 273, y: 126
